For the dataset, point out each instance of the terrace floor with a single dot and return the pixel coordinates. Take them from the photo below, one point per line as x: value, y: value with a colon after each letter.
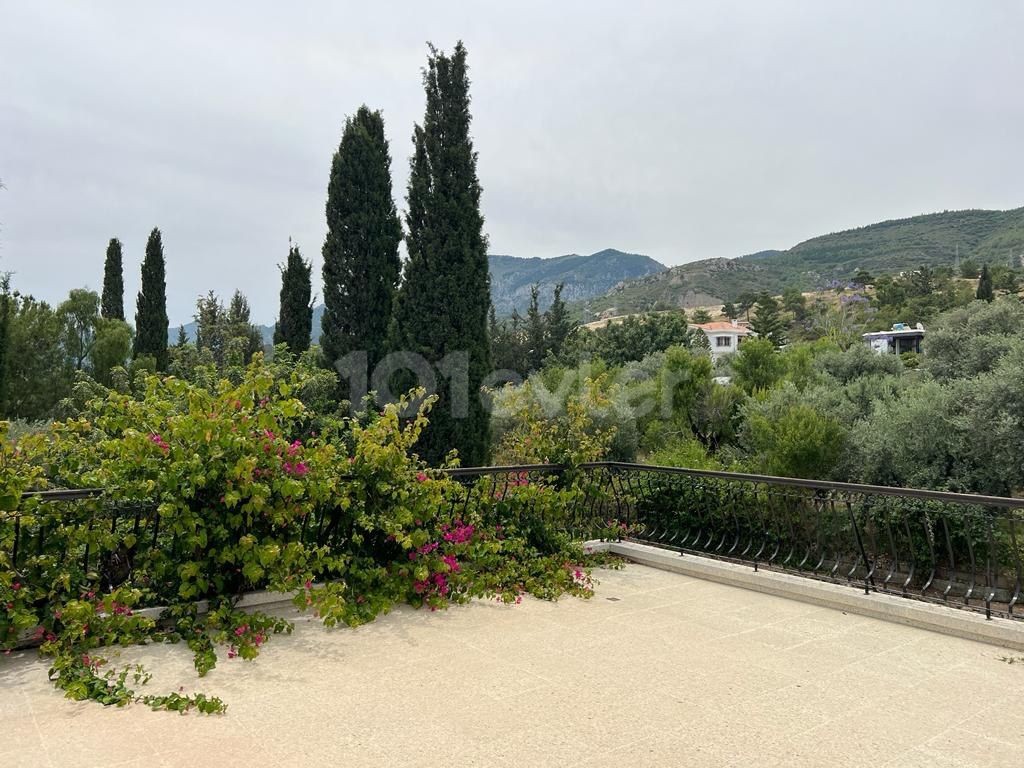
x: 658, y: 669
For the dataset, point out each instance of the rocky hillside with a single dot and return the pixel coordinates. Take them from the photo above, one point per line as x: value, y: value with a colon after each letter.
x: 584, y: 277
x: 889, y: 246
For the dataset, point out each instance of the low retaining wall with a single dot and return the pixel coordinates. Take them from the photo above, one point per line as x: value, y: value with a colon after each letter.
x: 936, y: 618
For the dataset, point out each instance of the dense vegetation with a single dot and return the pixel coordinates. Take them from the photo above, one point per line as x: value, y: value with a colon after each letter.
x: 823, y: 406
x: 248, y: 484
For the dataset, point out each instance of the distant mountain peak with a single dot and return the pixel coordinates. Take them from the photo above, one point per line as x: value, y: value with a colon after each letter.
x: 584, y: 276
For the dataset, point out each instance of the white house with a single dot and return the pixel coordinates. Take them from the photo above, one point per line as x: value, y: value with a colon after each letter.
x: 724, y: 337
x: 902, y: 338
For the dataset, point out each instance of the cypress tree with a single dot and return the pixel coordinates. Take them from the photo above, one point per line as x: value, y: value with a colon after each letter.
x: 7, y: 309
x: 558, y: 322
x: 295, y: 318
x: 244, y: 338
x: 112, y: 305
x: 361, y: 261
x: 443, y: 303
x: 151, y: 306
x: 536, y: 331
x: 985, y: 292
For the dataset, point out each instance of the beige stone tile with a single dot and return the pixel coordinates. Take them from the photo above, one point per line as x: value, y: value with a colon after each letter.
x: 970, y: 748
x: 21, y: 735
x: 24, y: 758
x: 674, y: 672
x: 919, y: 758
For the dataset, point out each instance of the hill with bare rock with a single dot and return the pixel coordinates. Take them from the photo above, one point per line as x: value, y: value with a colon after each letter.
x: 937, y: 239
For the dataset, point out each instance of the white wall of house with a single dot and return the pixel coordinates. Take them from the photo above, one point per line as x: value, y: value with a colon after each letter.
x: 723, y: 342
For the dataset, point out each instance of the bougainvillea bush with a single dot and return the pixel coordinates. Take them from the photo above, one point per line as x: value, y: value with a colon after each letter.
x: 213, y: 490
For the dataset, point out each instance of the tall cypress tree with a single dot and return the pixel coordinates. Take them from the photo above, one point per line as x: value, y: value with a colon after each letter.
x: 361, y: 261
x: 7, y: 309
x: 536, y: 331
x: 112, y: 304
x: 151, y: 305
x: 985, y: 292
x: 295, y: 317
x: 443, y: 303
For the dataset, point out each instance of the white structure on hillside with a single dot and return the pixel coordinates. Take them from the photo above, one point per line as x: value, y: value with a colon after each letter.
x: 902, y: 338
x: 724, y: 337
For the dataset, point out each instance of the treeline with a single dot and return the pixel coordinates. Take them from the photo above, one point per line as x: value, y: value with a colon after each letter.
x: 806, y: 397
x: 438, y: 303
x: 951, y: 419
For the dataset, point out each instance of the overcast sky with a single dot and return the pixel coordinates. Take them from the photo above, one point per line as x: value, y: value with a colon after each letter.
x: 676, y: 129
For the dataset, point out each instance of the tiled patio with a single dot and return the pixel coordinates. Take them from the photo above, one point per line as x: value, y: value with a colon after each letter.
x: 657, y: 669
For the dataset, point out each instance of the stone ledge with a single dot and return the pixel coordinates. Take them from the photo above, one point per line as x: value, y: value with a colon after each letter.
x: 936, y: 618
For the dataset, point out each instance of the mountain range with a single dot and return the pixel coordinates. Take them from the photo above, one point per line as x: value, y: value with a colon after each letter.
x: 897, y: 245
x: 616, y: 282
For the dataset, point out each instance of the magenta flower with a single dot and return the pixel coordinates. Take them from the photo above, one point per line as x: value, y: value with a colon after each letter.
x: 460, y: 534
x: 159, y: 442
x: 421, y: 477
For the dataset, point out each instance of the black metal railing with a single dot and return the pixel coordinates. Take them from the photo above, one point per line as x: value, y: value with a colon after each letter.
x: 962, y: 550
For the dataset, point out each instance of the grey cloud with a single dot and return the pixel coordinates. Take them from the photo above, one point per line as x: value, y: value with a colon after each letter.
x: 680, y: 130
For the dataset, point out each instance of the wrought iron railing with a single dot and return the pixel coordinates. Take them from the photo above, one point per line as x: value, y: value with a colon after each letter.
x: 962, y: 550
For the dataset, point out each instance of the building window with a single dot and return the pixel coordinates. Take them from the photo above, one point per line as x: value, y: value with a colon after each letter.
x: 723, y: 341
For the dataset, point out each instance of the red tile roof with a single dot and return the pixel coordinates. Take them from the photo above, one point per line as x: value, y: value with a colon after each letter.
x: 719, y: 327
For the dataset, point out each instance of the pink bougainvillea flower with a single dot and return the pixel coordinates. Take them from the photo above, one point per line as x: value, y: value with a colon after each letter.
x: 460, y: 534
x: 421, y: 477
x: 451, y: 562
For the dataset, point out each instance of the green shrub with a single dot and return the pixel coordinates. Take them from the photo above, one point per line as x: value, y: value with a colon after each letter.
x: 243, y: 486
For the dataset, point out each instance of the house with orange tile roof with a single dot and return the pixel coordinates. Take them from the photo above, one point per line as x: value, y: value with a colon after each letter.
x: 724, y: 337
